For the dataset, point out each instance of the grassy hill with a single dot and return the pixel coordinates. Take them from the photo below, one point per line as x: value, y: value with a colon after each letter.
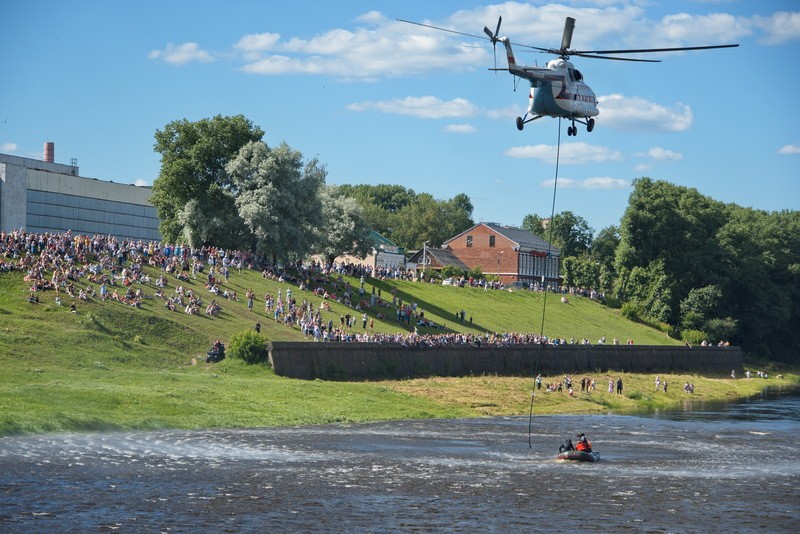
x: 112, y: 366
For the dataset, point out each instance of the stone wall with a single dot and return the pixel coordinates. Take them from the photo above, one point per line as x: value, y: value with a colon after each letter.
x: 372, y: 361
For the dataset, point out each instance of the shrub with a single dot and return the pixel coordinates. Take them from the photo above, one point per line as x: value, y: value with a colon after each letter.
x: 695, y: 337
x: 631, y: 311
x: 667, y: 329
x: 248, y: 346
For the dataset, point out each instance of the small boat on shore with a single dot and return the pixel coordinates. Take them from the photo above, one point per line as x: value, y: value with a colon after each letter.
x: 579, y: 456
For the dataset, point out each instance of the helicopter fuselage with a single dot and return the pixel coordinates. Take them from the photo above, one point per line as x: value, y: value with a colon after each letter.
x: 565, y: 96
x: 557, y: 90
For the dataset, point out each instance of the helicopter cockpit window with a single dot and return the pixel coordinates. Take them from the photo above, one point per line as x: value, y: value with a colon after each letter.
x: 578, y: 75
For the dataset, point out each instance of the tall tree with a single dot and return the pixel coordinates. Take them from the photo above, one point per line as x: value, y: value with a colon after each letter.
x: 277, y: 196
x: 676, y: 227
x: 571, y: 233
x: 534, y: 224
x: 344, y: 229
x: 380, y: 203
x: 193, y: 158
x: 604, y: 246
x: 431, y: 220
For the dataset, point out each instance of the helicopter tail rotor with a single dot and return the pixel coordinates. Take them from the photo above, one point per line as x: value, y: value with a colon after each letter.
x: 493, y: 38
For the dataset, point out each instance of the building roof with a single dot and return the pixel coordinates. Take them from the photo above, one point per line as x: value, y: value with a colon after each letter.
x: 384, y: 244
x: 440, y: 256
x: 522, y: 238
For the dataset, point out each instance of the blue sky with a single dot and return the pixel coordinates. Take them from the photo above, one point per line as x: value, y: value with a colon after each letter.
x: 378, y: 101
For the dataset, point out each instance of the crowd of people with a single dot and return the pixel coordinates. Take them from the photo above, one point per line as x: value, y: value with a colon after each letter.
x: 82, y: 267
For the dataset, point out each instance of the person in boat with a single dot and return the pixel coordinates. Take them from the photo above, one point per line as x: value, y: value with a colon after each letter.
x: 583, y: 444
x: 566, y: 446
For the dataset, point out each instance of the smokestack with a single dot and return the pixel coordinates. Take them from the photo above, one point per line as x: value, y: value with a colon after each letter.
x: 49, y: 152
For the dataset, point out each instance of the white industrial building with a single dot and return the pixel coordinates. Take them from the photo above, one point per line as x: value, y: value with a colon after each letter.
x: 43, y: 196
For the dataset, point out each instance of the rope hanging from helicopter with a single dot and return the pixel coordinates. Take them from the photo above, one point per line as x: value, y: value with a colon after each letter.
x: 544, y: 302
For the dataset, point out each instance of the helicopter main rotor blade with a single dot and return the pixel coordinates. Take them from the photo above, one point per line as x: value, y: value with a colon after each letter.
x: 566, y: 38
x: 447, y: 30
x: 595, y: 56
x: 646, y: 50
x: 485, y: 29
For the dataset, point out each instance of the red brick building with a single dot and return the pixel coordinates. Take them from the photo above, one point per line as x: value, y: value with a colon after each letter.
x: 511, y: 253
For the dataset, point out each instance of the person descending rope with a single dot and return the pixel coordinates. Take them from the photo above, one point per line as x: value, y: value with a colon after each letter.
x: 583, y: 444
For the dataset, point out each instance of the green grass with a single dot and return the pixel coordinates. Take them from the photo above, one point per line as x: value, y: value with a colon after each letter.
x: 113, y: 367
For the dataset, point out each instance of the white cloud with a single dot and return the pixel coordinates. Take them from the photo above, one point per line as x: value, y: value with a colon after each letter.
x: 642, y: 167
x: 372, y: 17
x: 780, y: 27
x: 571, y: 153
x: 424, y: 107
x: 460, y: 128
x: 381, y: 47
x: 9, y: 148
x: 181, y: 54
x: 636, y: 113
x: 386, y: 49
x: 662, y: 154
x: 141, y: 183
x: 509, y: 112
x: 254, y: 44
x: 596, y: 183
x: 682, y: 29
x: 789, y: 149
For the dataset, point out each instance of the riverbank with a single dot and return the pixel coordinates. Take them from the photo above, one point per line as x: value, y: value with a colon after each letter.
x: 493, y: 396
x: 108, y: 396
x: 111, y: 366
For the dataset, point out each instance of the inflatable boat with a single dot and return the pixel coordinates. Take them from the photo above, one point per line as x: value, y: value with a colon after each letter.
x: 579, y: 456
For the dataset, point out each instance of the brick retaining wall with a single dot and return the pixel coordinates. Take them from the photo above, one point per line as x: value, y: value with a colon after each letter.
x: 372, y: 361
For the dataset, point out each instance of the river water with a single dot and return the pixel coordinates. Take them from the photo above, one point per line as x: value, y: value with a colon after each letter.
x: 730, y: 468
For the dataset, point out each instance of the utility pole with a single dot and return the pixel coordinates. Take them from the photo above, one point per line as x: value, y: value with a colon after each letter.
x: 424, y: 258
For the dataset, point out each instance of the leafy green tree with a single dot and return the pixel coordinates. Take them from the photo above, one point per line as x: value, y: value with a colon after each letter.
x: 722, y: 329
x: 193, y: 158
x: 581, y: 272
x: 428, y: 219
x: 699, y: 306
x: 410, y: 219
x: 650, y: 289
x: 534, y: 224
x: 571, y: 233
x: 604, y: 246
x: 674, y: 227
x: 451, y: 271
x: 762, y: 289
x: 277, y: 196
x: 344, y: 229
x: 380, y: 203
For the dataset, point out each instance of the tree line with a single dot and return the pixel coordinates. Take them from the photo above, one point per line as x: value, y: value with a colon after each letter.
x: 695, y: 267
x: 221, y: 184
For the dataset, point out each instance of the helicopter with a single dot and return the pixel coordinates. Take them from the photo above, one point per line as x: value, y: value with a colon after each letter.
x: 558, y: 89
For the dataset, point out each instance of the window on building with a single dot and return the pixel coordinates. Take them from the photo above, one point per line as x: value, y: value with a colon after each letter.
x: 491, y: 240
x: 469, y: 240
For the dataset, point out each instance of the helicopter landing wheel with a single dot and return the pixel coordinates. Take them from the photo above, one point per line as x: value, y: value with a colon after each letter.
x: 590, y: 125
x: 571, y: 130
x: 520, y: 124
